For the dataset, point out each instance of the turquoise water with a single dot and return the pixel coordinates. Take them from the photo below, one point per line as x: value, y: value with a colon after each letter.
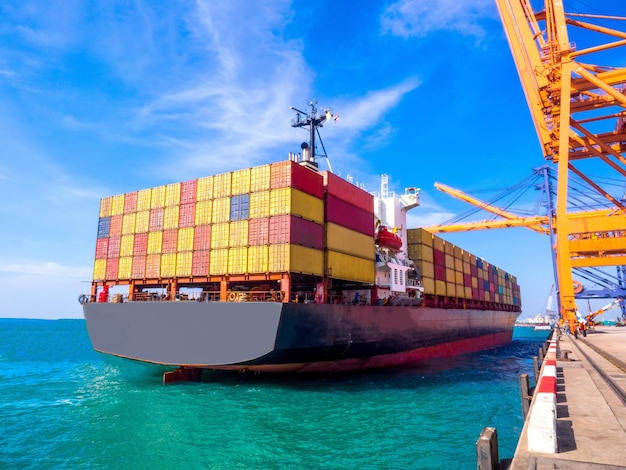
x: 64, y: 406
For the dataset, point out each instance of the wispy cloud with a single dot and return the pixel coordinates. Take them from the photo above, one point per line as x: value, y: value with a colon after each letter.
x: 418, y: 18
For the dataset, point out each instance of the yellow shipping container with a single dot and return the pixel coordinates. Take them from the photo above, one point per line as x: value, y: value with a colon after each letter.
x: 295, y: 258
x: 240, y: 183
x: 458, y: 278
x: 238, y: 235
x: 348, y: 241
x: 222, y: 185
x: 99, y: 269
x: 218, y: 262
x: 128, y: 223
x: 172, y: 194
x: 204, y: 211
x: 293, y: 201
x: 451, y: 289
x: 142, y: 221
x: 449, y: 261
x: 448, y: 248
x: 238, y: 260
x: 466, y: 257
x: 157, y: 198
x: 144, y: 198
x: 258, y: 259
x: 458, y: 253
x: 260, y: 179
x: 170, y: 217
x: 419, y: 236
x: 350, y: 268
x: 487, y: 296
x: 450, y: 275
x: 126, y: 245
x: 468, y: 292
x: 428, y: 283
x: 420, y: 252
x: 168, y: 265
x: 185, y: 240
x: 260, y: 203
x: 474, y: 282
x: 438, y: 243
x: 155, y: 242
x: 458, y: 265
x: 440, y: 288
x: 221, y: 210
x: 117, y: 204
x: 105, y: 206
x: 220, y: 235
x: 124, y: 269
x: 466, y: 267
x: 204, y: 189
x: 183, y: 263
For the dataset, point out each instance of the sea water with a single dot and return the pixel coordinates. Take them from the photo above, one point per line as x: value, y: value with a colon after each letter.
x: 62, y: 405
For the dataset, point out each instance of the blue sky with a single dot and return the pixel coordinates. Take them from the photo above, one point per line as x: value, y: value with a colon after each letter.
x: 105, y: 97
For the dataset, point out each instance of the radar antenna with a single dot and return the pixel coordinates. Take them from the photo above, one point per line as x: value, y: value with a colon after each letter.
x: 313, y: 122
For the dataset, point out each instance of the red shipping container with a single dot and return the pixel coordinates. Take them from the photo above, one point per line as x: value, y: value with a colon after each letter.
x: 258, y: 231
x: 156, y: 219
x: 153, y: 266
x: 467, y: 280
x: 440, y: 272
x: 475, y: 293
x: 473, y: 270
x: 170, y: 241
x: 346, y: 191
x: 114, y: 248
x: 138, y: 269
x: 187, y: 215
x: 140, y: 244
x: 102, y: 248
x: 295, y: 230
x: 345, y: 214
x: 112, y: 267
x: 439, y: 257
x: 200, y: 263
x: 188, y: 191
x: 202, y: 237
x: 130, y: 202
x: 290, y: 174
x: 116, y: 225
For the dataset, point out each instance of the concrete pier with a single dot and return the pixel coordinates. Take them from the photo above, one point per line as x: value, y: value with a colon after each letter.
x: 590, y: 404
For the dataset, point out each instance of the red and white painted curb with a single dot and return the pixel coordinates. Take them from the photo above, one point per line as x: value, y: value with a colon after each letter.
x: 541, y: 429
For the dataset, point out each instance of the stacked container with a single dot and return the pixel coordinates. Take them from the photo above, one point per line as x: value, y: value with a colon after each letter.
x: 447, y: 271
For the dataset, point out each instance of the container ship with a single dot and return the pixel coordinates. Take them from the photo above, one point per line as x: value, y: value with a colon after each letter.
x: 285, y: 268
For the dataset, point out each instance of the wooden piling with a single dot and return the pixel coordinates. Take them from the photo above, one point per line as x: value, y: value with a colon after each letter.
x: 524, y: 384
x: 487, y: 450
x: 536, y: 368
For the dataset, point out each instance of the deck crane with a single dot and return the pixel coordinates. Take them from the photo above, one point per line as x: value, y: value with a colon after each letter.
x: 616, y: 303
x: 578, y: 106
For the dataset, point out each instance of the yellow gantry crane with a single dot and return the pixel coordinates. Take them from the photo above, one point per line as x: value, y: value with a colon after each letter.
x: 576, y: 93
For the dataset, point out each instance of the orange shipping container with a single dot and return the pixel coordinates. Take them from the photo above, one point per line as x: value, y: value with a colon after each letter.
x: 116, y: 226
x: 130, y: 202
x: 139, y: 267
x: 153, y: 266
x: 202, y: 238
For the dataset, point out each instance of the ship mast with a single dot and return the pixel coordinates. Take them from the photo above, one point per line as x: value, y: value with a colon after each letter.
x: 313, y: 122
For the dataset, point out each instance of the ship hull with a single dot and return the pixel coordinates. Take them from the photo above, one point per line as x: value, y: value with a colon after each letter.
x: 290, y: 337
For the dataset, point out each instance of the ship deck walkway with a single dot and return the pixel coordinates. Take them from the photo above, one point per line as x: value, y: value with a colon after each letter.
x: 590, y: 405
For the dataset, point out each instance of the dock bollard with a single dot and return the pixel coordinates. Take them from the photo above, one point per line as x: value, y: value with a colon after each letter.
x: 487, y: 450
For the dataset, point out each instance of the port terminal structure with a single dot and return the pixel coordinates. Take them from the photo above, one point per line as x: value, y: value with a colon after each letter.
x: 577, y: 102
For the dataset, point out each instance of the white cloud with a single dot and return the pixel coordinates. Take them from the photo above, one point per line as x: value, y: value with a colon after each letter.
x: 418, y: 18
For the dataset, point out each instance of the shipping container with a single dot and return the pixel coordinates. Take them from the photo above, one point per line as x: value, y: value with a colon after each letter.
x: 258, y: 232
x: 240, y: 182
x: 259, y: 204
x: 142, y: 221
x: 291, y: 174
x: 295, y: 230
x: 111, y: 268
x: 153, y: 265
x: 260, y: 179
x: 218, y: 262
x: 239, y: 207
x: 171, y: 215
x: 114, y: 248
x: 222, y: 185
x: 144, y: 199
x: 105, y: 207
x: 202, y: 238
x: 168, y: 265
x: 343, y: 213
x: 104, y: 227
x: 130, y: 202
x: 183, y: 263
x: 102, y: 248
x: 238, y: 233
x: 124, y: 269
x: 258, y: 259
x: 428, y: 283
x: 350, y: 242
x: 438, y: 243
x: 126, y: 245
x: 128, y: 223
x: 294, y: 258
x: 204, y: 189
x: 169, y: 242
x: 155, y: 240
x: 140, y: 244
x: 344, y: 190
x: 172, y: 194
x: 157, y: 198
x: 220, y: 235
x: 117, y: 205
x: 419, y: 236
x: 295, y: 202
x: 204, y: 210
x: 99, y: 269
x: 349, y: 268
x: 200, y: 263
x: 238, y: 260
x: 221, y: 210
x: 139, y: 267
x: 187, y: 215
x: 188, y: 191
x: 185, y: 240
x: 116, y: 225
x: 156, y: 219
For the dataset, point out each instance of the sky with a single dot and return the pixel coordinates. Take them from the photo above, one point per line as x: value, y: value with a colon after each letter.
x: 105, y: 97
